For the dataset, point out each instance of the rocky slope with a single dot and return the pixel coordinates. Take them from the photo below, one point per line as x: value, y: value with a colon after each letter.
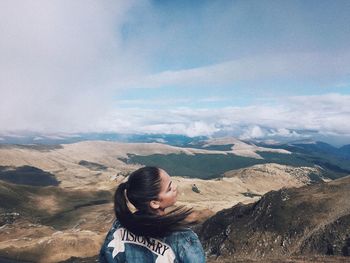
x: 262, y: 174
x: 311, y: 220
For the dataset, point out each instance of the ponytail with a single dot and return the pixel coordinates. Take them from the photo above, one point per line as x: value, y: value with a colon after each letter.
x: 121, y: 208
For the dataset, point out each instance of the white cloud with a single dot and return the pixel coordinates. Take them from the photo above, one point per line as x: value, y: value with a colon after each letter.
x: 323, y: 114
x: 190, y: 129
x: 254, y: 132
x: 283, y: 132
x: 60, y: 62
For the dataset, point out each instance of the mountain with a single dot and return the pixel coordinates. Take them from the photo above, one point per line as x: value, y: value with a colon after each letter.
x: 65, y: 138
x: 51, y: 223
x: 311, y: 220
x: 56, y: 200
x: 334, y: 161
x: 345, y: 150
x: 188, y: 157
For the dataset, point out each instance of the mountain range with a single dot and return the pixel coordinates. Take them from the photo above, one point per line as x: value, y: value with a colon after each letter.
x: 56, y: 199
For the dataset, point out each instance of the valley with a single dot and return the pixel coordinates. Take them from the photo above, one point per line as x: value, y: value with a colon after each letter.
x: 56, y: 201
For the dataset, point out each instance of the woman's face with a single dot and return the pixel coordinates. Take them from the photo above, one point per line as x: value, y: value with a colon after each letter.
x: 168, y: 193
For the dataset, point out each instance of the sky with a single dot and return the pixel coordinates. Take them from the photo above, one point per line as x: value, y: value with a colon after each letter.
x: 252, y: 69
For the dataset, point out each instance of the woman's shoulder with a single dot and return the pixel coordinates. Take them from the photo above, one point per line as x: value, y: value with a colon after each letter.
x: 185, y: 236
x: 188, y: 245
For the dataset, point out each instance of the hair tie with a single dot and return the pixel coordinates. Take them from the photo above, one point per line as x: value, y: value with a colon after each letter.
x: 126, y: 190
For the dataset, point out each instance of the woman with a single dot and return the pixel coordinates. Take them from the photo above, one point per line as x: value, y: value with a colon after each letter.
x: 150, y: 234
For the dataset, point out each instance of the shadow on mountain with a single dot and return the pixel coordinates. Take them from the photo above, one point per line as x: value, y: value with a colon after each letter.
x: 52, y: 206
x: 27, y: 175
x: 6, y: 260
x: 93, y: 166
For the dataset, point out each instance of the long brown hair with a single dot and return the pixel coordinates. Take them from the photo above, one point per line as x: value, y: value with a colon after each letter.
x: 144, y: 185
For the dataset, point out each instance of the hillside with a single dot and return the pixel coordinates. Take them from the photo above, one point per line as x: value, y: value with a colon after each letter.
x: 97, y: 163
x: 241, y: 148
x: 276, y: 173
x: 46, y: 224
x: 311, y: 220
x: 56, y: 219
x: 69, y: 162
x: 56, y: 199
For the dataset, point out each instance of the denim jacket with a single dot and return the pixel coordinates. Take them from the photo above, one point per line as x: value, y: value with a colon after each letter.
x: 121, y: 245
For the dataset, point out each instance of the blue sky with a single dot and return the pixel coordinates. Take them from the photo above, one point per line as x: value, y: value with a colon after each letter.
x: 253, y: 69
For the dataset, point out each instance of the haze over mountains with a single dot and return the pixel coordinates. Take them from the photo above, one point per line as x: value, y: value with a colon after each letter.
x: 171, y: 139
x: 56, y: 199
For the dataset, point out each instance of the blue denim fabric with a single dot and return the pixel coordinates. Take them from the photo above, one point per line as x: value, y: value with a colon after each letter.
x: 122, y: 246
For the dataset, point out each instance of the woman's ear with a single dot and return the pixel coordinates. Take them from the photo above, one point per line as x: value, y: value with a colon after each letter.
x: 154, y: 204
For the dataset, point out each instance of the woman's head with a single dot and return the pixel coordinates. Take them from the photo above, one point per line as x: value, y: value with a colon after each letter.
x: 150, y: 190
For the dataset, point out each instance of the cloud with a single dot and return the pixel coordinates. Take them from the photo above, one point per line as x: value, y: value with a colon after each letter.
x: 64, y: 63
x: 296, y: 66
x: 257, y: 132
x: 252, y: 133
x: 197, y: 128
x: 60, y: 62
x: 170, y: 101
x: 283, y: 132
x: 159, y: 102
x: 284, y: 118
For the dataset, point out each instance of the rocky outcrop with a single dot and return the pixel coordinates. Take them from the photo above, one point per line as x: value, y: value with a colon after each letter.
x: 309, y: 220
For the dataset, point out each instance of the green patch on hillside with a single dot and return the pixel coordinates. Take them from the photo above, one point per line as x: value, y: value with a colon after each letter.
x: 293, y: 159
x: 208, y: 166
x: 332, y: 168
x: 204, y: 166
x: 226, y: 147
